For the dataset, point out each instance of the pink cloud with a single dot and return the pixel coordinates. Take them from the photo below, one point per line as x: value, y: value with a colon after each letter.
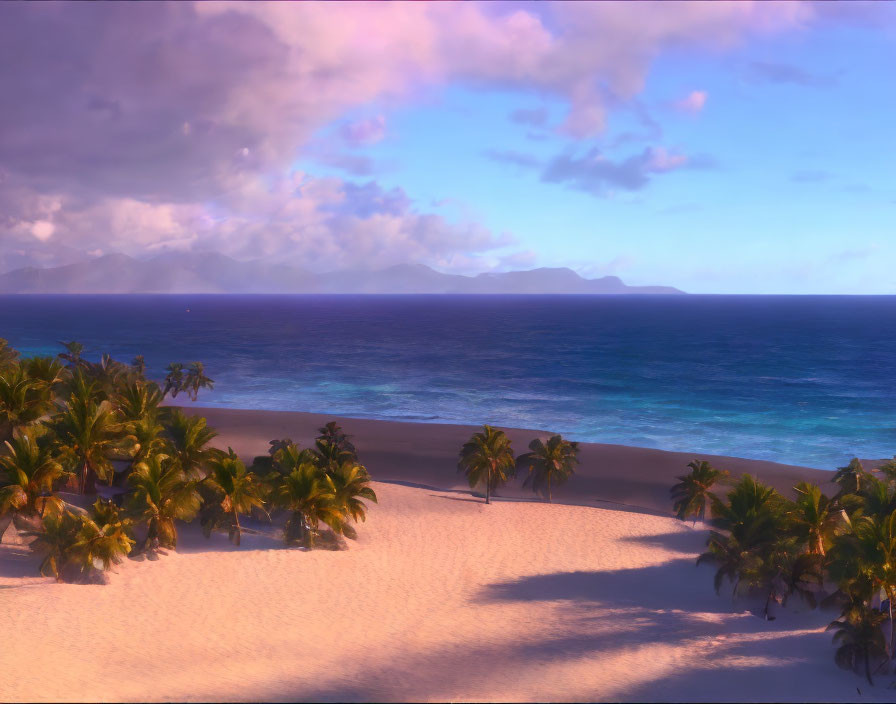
x: 183, y: 133
x: 369, y: 131
x: 693, y: 102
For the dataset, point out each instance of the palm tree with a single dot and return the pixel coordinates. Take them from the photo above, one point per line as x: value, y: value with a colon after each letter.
x: 850, y: 478
x: 174, y: 380
x: 310, y: 500
x: 72, y: 354
x: 237, y: 491
x: 751, y: 521
x: 66, y: 538
x: 878, y: 497
x: 46, y: 370
x: 284, y: 456
x: 693, y: 490
x: 195, y: 380
x: 189, y: 437
x: 487, y: 457
x: 811, y: 517
x: 23, y: 400
x: 8, y: 355
x: 162, y: 495
x: 860, y: 640
x: 332, y: 434
x: 551, y: 461
x: 137, y: 399
x: 87, y: 433
x: 54, y: 541
x: 330, y: 455
x: 349, y: 483
x: 873, y: 542
x: 27, y: 474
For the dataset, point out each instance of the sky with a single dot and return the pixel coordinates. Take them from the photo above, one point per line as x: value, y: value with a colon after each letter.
x: 742, y: 147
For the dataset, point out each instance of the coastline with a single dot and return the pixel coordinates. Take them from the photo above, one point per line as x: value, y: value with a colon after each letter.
x: 441, y: 598
x: 425, y: 454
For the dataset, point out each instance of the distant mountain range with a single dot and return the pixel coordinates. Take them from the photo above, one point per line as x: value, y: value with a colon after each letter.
x: 211, y: 272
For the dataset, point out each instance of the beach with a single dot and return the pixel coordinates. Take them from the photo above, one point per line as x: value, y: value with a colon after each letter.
x: 442, y: 598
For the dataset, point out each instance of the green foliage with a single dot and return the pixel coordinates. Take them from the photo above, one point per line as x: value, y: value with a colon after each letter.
x: 309, y: 499
x: 812, y: 518
x: 693, y: 490
x: 69, y: 539
x: 189, y: 437
x: 87, y: 433
x: 851, y: 478
x: 487, y: 458
x: 551, y: 462
x: 23, y: 400
x: 8, y: 355
x: 162, y: 495
x: 28, y: 471
x: 189, y: 382
x: 234, y: 491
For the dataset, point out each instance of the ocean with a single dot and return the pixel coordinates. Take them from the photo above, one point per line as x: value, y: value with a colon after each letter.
x: 805, y: 380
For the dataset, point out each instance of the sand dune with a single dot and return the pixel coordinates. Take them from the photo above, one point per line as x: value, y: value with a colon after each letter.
x: 442, y: 598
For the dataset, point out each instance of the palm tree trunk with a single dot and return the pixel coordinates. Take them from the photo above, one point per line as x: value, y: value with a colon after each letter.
x: 236, y: 520
x: 550, y: 498
x: 890, y: 594
x: 868, y: 666
x: 82, y: 482
x: 488, y: 484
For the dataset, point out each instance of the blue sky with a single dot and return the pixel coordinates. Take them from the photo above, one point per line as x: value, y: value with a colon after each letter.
x: 720, y: 147
x: 793, y: 190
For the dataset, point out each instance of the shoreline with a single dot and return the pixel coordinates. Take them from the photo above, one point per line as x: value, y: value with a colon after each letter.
x: 425, y: 455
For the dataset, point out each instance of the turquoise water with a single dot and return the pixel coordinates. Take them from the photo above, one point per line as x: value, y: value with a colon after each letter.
x: 804, y: 380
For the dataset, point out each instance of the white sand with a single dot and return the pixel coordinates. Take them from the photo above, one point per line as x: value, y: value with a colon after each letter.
x: 441, y: 599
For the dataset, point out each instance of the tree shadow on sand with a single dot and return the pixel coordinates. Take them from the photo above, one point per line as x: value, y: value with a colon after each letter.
x: 669, y: 586
x: 690, y: 542
x: 735, y: 659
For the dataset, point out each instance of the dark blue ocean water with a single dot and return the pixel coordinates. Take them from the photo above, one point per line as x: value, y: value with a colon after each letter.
x: 803, y: 380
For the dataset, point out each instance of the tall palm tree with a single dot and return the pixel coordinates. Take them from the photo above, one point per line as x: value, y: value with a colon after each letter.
x: 693, y: 490
x: 873, y: 540
x: 88, y: 433
x: 195, y: 380
x: 860, y: 640
x: 553, y: 461
x: 811, y: 517
x: 747, y: 528
x: 189, y: 437
x: 310, y: 500
x: 237, y: 491
x: 27, y: 474
x: 162, y: 495
x: 174, y: 380
x: 349, y: 483
x: 487, y: 457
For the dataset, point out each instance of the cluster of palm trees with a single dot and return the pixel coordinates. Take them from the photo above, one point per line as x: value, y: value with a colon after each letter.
x: 487, y: 458
x: 67, y: 424
x: 833, y: 551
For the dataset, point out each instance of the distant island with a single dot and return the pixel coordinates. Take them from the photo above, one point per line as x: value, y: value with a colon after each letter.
x: 211, y: 272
